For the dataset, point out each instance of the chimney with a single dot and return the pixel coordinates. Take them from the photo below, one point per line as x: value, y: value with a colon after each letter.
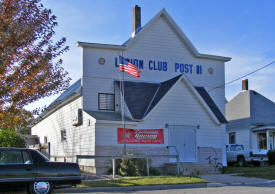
x: 136, y: 20
x: 245, y: 84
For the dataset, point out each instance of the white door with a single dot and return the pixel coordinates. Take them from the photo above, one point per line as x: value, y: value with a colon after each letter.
x: 182, y: 139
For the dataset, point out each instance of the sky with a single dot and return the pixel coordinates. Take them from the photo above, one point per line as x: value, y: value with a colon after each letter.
x: 241, y: 29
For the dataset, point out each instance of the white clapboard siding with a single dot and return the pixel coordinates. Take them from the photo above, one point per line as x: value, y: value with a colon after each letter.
x: 242, y: 135
x: 160, y: 43
x: 91, y: 88
x: 80, y: 139
x: 180, y: 107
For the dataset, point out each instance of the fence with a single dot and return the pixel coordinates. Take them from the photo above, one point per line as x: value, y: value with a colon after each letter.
x: 114, y: 158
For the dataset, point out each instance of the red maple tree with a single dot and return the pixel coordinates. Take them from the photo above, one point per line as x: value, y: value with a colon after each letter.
x: 30, y: 64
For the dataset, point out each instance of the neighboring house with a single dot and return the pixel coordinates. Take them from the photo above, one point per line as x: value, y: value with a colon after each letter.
x: 168, y: 108
x: 251, y: 118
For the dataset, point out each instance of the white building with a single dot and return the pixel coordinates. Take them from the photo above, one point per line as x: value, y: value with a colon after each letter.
x: 167, y: 108
x: 251, y: 118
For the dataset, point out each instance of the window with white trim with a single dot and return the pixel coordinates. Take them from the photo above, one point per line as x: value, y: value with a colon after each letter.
x: 232, y: 138
x: 262, y: 145
x: 63, y: 135
x: 106, y: 101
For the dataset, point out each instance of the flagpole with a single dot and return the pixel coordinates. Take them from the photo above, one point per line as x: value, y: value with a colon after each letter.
x: 123, y: 110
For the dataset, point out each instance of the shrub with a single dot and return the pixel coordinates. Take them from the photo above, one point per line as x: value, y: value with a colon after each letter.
x: 154, y: 171
x: 271, y: 157
x: 9, y: 138
x: 132, y: 167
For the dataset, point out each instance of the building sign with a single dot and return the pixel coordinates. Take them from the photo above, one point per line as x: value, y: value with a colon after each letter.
x: 140, y: 136
x: 155, y: 65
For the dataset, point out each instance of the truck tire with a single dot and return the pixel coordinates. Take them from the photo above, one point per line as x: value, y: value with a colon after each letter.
x: 241, y: 161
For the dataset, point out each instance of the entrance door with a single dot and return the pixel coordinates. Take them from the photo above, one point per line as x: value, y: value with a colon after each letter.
x: 182, y: 139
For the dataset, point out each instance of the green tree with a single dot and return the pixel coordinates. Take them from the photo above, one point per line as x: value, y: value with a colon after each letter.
x: 30, y: 63
x: 9, y: 138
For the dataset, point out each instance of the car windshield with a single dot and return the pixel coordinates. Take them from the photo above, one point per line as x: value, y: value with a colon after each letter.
x: 237, y: 147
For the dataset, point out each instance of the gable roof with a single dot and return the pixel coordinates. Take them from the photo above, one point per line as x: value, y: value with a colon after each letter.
x: 141, y: 97
x: 209, y: 101
x: 162, y: 14
x: 74, y: 88
x: 73, y: 92
x: 250, y: 104
x: 262, y: 110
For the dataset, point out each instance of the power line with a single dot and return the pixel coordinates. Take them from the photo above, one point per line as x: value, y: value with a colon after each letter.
x: 223, y: 85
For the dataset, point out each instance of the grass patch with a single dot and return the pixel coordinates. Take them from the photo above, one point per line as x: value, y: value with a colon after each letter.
x: 141, y: 181
x: 266, y: 172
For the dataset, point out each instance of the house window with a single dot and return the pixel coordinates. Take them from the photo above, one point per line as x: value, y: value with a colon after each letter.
x: 63, y: 135
x: 45, y: 139
x: 262, y: 141
x: 232, y: 138
x: 106, y: 101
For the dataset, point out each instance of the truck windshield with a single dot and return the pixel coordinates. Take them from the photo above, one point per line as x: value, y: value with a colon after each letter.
x: 237, y: 148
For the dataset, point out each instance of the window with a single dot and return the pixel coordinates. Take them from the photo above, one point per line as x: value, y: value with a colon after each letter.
x: 26, y: 157
x: 237, y: 148
x: 11, y: 157
x: 45, y: 139
x: 106, y: 101
x: 232, y: 138
x: 262, y: 141
x: 63, y: 135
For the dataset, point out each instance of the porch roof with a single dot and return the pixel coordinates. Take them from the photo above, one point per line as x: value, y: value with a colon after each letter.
x: 264, y: 128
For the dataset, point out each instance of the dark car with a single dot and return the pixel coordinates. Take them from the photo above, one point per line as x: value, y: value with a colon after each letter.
x: 29, y: 168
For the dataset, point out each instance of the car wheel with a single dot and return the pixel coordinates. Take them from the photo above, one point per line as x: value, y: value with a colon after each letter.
x: 40, y: 187
x: 241, y: 161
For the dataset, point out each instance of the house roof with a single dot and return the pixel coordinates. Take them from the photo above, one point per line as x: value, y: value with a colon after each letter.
x: 209, y: 101
x: 110, y: 116
x: 141, y: 97
x: 73, y: 90
x: 162, y: 14
x: 250, y: 104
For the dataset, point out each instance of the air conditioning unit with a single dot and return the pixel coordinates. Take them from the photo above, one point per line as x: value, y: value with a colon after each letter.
x: 77, y: 117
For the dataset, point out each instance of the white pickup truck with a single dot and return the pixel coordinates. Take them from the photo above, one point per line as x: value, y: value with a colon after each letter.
x: 236, y: 153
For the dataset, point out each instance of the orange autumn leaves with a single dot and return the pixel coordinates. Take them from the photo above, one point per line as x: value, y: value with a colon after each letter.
x: 30, y: 64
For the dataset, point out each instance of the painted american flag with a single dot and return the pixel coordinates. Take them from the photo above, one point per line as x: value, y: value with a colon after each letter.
x: 126, y: 66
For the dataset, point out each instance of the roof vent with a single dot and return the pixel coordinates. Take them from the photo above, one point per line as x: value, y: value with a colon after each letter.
x: 136, y: 20
x: 245, y: 84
